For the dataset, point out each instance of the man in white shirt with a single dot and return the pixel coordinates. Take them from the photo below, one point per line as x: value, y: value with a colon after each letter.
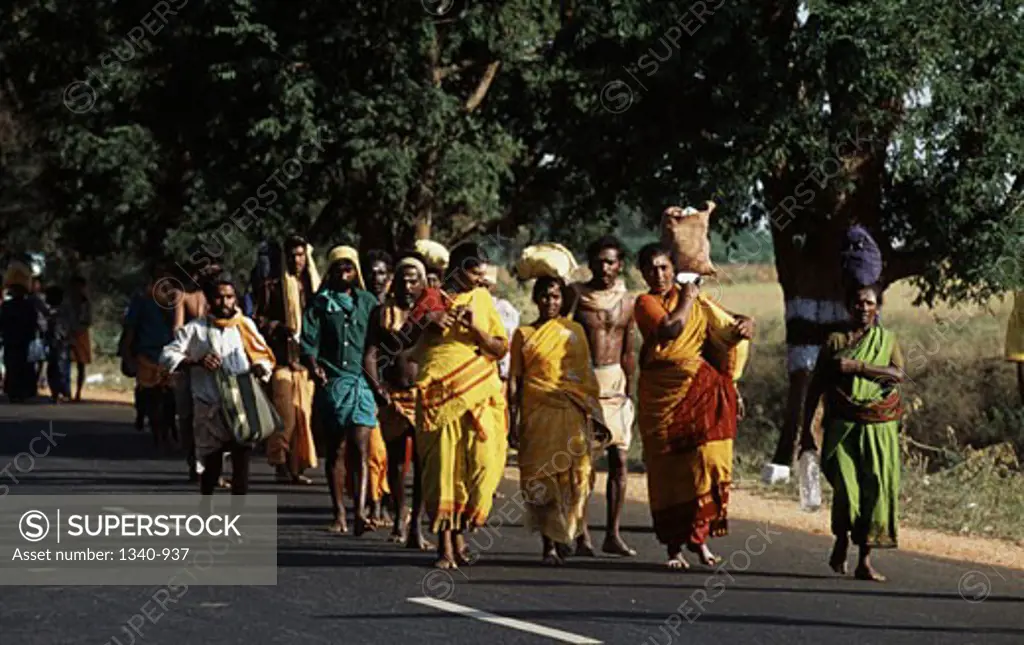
x: 226, y: 340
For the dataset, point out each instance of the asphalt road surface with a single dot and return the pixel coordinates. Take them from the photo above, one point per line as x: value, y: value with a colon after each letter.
x: 773, y: 588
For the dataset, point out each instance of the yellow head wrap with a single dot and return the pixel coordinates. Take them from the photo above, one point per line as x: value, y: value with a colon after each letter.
x: 340, y: 253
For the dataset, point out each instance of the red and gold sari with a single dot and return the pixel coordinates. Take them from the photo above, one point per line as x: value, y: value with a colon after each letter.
x: 687, y: 416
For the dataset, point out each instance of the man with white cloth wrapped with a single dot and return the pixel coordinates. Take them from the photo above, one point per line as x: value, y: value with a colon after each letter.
x: 223, y: 339
x: 605, y: 310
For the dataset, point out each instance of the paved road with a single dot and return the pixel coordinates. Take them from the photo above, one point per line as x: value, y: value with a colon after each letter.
x: 339, y: 589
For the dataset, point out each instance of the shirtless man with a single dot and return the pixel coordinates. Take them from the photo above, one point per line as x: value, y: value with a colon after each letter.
x: 392, y: 371
x: 378, y: 271
x: 605, y: 310
x: 189, y: 305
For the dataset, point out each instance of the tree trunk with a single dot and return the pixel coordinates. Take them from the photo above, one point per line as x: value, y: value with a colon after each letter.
x: 808, y: 264
x: 423, y: 199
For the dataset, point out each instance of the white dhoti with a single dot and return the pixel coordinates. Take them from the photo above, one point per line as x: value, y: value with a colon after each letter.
x: 617, y: 407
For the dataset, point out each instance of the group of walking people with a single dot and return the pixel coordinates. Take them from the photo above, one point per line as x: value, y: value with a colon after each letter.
x: 416, y: 365
x: 45, y: 331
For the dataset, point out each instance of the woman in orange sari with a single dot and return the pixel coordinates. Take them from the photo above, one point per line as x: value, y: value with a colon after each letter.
x: 555, y: 392
x: 692, y: 352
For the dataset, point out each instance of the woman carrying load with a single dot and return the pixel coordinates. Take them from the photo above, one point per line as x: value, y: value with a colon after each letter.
x: 556, y: 395
x: 692, y: 351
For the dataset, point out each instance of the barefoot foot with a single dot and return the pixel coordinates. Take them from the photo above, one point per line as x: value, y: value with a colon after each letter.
x: 418, y: 542
x: 338, y: 526
x: 866, y: 572
x: 614, y: 545
x: 704, y: 554
x: 445, y: 563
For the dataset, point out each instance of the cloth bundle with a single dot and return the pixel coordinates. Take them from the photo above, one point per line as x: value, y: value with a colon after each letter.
x: 685, y: 232
x: 861, y: 258
x: 435, y: 253
x: 548, y: 259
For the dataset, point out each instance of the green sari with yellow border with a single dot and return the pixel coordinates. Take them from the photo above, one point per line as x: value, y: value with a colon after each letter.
x: 861, y: 450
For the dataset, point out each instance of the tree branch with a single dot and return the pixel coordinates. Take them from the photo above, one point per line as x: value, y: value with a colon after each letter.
x: 483, y: 86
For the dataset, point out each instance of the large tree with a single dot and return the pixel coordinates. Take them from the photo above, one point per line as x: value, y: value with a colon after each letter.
x: 388, y: 121
x: 901, y: 115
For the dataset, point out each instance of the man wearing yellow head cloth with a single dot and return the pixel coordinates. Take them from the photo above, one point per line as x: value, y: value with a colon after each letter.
x: 279, y: 303
x: 333, y: 335
x: 461, y: 415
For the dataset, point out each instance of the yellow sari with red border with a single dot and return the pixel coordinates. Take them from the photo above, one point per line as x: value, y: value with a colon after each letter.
x: 461, y: 418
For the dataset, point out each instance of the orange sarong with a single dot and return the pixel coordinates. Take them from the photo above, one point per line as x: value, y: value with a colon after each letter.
x: 378, y: 468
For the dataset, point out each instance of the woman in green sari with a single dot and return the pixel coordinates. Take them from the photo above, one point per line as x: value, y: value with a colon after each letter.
x: 858, y: 371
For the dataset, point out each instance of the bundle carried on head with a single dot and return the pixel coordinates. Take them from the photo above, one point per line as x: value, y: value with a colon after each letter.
x: 436, y: 254
x: 18, y: 273
x: 685, y: 232
x: 861, y: 258
x: 548, y: 259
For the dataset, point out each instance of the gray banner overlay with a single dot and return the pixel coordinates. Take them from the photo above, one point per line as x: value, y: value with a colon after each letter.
x: 176, y: 541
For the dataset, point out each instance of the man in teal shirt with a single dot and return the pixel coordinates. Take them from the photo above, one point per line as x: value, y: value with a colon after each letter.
x: 333, y: 335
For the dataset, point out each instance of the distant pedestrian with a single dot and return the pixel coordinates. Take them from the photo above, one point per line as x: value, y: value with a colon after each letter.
x: 58, y: 346
x: 391, y: 367
x: 148, y: 327
x: 79, y: 308
x: 22, y: 322
x: 280, y: 300
x: 378, y: 271
x: 509, y: 318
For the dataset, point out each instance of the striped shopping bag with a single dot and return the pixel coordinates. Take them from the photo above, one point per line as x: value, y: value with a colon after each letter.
x: 248, y: 412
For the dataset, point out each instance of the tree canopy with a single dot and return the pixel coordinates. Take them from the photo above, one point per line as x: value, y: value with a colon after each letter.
x: 130, y: 129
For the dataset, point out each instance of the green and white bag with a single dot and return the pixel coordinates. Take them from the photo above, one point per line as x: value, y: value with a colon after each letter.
x: 248, y: 412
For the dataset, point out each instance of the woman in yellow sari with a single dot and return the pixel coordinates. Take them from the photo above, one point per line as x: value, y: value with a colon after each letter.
x: 461, y: 415
x: 691, y: 353
x: 556, y: 395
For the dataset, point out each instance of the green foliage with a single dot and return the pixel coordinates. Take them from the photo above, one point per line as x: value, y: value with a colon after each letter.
x: 375, y: 121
